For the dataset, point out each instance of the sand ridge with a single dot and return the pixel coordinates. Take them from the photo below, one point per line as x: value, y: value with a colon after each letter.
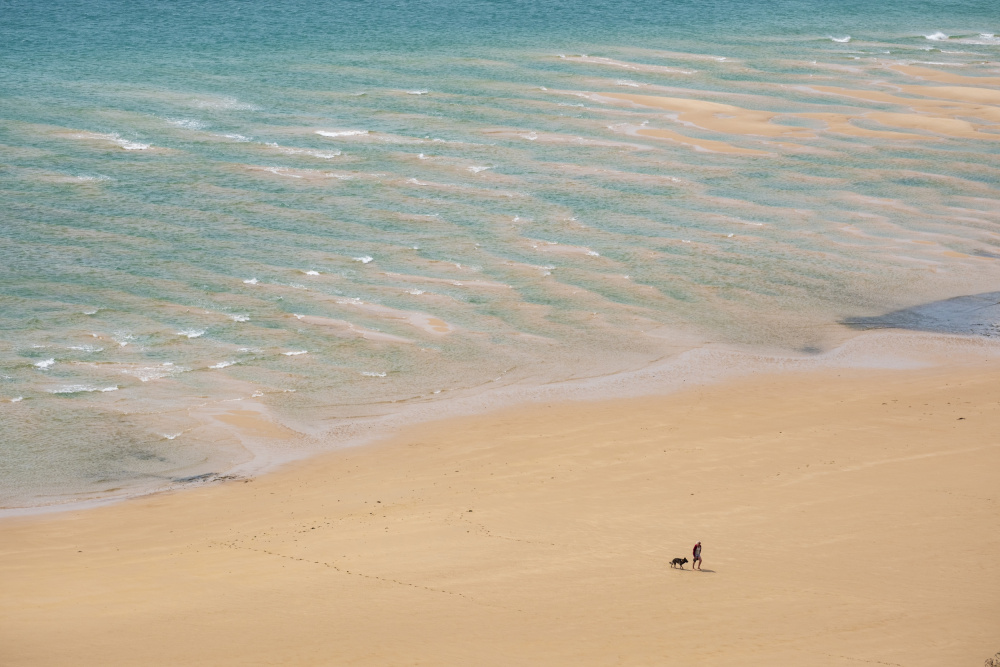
x: 929, y: 74
x: 935, y: 110
x: 699, y: 144
x: 714, y: 116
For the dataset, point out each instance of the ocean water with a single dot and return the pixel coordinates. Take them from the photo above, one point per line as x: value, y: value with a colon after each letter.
x: 325, y: 211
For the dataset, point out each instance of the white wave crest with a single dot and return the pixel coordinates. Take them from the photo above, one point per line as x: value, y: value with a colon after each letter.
x: 288, y: 150
x: 85, y: 348
x: 226, y: 103
x: 936, y: 36
x: 192, y: 333
x: 122, y: 338
x: 45, y: 364
x: 364, y: 260
x: 239, y: 318
x: 147, y: 373
x: 188, y: 123
x: 311, y: 273
x: 126, y: 144
x: 840, y: 40
x: 17, y: 399
x: 114, y: 138
x: 281, y: 171
x: 983, y: 39
x: 341, y: 133
x: 372, y: 374
x: 295, y: 353
x: 80, y: 389
x: 222, y: 364
x: 476, y: 170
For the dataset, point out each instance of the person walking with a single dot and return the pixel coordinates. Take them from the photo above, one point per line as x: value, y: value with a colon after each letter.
x: 696, y: 560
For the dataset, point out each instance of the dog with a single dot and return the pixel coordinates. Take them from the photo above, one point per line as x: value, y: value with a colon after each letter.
x: 678, y: 561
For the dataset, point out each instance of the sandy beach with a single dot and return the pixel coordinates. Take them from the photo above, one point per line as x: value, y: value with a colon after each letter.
x: 847, y: 516
x: 376, y: 334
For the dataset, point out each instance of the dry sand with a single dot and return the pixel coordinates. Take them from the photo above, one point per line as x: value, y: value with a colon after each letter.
x: 847, y: 517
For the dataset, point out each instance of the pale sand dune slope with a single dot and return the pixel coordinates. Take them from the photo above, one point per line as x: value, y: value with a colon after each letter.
x: 849, y: 517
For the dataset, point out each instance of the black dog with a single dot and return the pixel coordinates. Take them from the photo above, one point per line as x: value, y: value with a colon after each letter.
x: 678, y: 561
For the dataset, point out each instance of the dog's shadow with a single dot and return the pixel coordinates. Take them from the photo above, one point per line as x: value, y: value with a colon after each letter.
x: 688, y: 570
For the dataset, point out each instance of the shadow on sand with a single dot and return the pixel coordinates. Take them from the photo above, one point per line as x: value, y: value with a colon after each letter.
x: 971, y: 315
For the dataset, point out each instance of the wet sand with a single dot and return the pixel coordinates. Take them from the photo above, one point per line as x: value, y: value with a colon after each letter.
x: 847, y: 516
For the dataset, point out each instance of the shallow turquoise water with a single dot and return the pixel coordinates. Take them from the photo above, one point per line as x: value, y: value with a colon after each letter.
x: 335, y: 209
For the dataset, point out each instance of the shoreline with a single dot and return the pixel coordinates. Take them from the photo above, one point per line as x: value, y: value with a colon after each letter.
x: 252, y: 424
x: 847, y: 514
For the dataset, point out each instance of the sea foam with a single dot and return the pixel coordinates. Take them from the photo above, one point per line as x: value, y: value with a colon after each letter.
x: 288, y: 150
x: 126, y: 144
x: 341, y: 133
x: 188, y: 123
x: 148, y: 373
x: 80, y: 389
x: 85, y: 348
x: 227, y: 104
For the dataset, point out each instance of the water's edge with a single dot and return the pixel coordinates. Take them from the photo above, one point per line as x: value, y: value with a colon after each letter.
x: 698, y: 367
